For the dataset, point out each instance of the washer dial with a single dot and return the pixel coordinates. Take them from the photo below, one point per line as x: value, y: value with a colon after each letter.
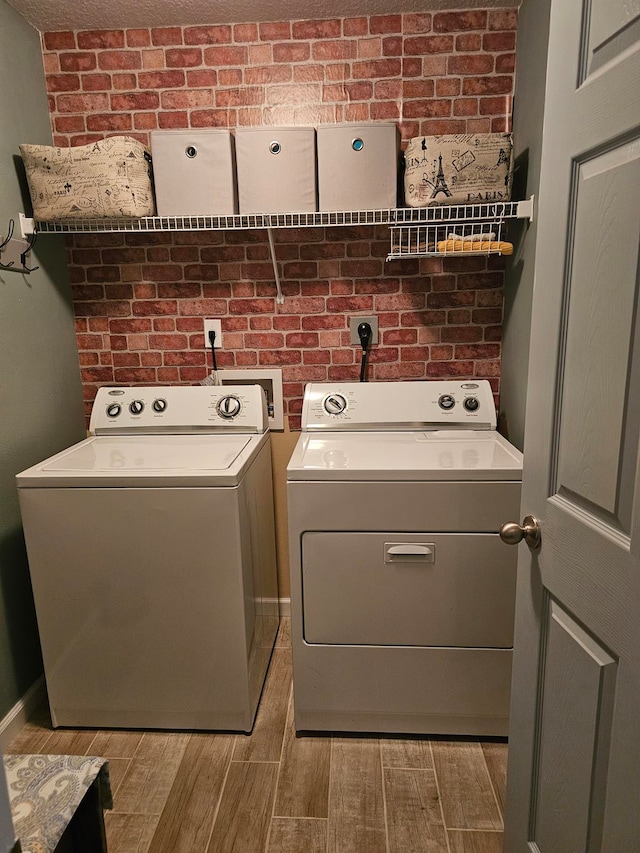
x: 159, y: 405
x: 471, y: 404
x: 229, y: 407
x: 446, y: 402
x: 136, y: 407
x: 113, y: 410
x: 335, y: 404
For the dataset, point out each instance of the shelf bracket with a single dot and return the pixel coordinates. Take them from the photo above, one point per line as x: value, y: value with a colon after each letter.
x: 272, y: 248
x: 27, y: 226
x: 525, y: 209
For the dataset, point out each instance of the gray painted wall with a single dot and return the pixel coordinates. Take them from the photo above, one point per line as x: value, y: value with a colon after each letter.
x: 40, y: 392
x: 531, y: 67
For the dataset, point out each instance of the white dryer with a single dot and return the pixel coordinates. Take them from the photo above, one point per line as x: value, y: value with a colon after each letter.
x: 151, y: 550
x: 402, y: 593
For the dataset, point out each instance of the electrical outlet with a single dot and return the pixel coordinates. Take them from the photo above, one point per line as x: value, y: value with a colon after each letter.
x: 354, y: 322
x: 213, y: 326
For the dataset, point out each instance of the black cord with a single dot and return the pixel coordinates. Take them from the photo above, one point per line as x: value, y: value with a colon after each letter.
x: 212, y: 341
x: 365, y: 334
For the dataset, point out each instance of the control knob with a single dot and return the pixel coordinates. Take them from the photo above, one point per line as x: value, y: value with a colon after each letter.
x: 471, y: 404
x: 335, y: 404
x: 446, y: 402
x: 136, y: 407
x: 113, y: 410
x: 159, y: 405
x: 229, y: 407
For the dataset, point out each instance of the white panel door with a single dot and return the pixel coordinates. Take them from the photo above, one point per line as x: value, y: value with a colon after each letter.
x: 574, y: 764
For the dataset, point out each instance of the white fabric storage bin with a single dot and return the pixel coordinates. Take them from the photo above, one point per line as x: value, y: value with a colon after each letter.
x: 194, y: 172
x: 276, y: 169
x: 357, y: 166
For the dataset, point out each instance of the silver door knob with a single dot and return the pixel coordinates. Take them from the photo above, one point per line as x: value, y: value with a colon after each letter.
x: 511, y: 532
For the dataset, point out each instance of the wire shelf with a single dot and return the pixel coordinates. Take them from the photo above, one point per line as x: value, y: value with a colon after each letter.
x: 241, y: 222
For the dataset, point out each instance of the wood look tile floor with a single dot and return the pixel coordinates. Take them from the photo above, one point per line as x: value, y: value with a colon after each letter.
x: 271, y: 792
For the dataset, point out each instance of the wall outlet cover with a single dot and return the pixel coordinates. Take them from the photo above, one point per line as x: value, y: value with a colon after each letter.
x: 354, y: 322
x: 213, y: 326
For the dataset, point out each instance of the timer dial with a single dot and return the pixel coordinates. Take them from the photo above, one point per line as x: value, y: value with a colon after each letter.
x: 446, y: 402
x: 229, y: 407
x: 159, y: 405
x: 471, y: 404
x: 113, y: 410
x: 335, y: 404
x: 136, y: 407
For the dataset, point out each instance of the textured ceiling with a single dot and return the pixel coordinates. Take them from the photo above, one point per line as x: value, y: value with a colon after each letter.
x: 46, y: 15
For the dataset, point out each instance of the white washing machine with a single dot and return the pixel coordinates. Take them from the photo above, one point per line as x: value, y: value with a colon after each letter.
x: 402, y: 593
x: 151, y: 549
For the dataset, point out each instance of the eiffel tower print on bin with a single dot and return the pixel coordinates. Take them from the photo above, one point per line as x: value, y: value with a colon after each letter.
x: 440, y: 185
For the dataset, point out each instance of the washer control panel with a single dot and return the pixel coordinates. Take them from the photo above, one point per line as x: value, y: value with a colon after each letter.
x: 437, y: 404
x: 180, y: 409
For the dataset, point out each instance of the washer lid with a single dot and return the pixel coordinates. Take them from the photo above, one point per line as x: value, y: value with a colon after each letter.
x: 425, y: 456
x: 172, y: 460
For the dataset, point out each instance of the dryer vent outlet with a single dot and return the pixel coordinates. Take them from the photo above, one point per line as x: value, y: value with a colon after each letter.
x: 354, y: 322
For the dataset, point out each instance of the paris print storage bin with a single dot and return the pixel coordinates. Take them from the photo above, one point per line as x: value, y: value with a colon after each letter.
x: 357, y: 166
x: 276, y: 169
x: 194, y: 172
x: 458, y: 169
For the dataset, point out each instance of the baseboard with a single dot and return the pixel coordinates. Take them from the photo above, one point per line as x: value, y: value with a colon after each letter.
x: 285, y: 606
x: 24, y: 708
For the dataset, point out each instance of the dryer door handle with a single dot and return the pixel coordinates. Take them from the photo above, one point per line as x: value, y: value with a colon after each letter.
x: 409, y: 552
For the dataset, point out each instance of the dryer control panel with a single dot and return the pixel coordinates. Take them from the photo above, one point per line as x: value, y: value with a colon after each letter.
x: 439, y: 404
x: 179, y: 409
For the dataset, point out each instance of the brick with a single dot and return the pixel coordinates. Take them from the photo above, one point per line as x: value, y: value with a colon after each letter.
x: 138, y: 38
x: 166, y: 36
x: 448, y: 22
x: 326, y: 51
x: 245, y: 32
x: 96, y: 82
x: 131, y: 326
x: 201, y: 78
x: 221, y: 34
x: 274, y: 31
x: 63, y: 83
x: 145, y: 121
x: 177, y: 120
x: 480, y: 63
x: 430, y: 66
x: 153, y: 58
x: 155, y: 306
x: 498, y: 85
x: 465, y: 107
x: 313, y: 30
x: 280, y: 357
x: 168, y: 342
x: 161, y: 79
x: 69, y: 124
x: 416, y: 23
x: 506, y: 63
x: 421, y: 45
x: 59, y: 40
x: 124, y: 82
x: 448, y: 86
x: 183, y: 57
x: 135, y: 101
x: 469, y: 42
x: 437, y: 108
x: 503, y: 19
x: 221, y: 56
x: 499, y: 42
x: 119, y: 60
x: 186, y: 99
x: 385, y: 24
x: 109, y: 122
x: 370, y: 48
x: 355, y: 26
x: 288, y: 52
x: 100, y: 39
x: 78, y: 61
x: 435, y: 127
x: 418, y: 89
x: 377, y: 69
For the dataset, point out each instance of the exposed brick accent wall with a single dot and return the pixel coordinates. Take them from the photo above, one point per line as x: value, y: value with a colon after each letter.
x: 140, y: 299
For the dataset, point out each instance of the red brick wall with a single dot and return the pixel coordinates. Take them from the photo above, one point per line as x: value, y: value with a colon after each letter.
x: 140, y: 299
